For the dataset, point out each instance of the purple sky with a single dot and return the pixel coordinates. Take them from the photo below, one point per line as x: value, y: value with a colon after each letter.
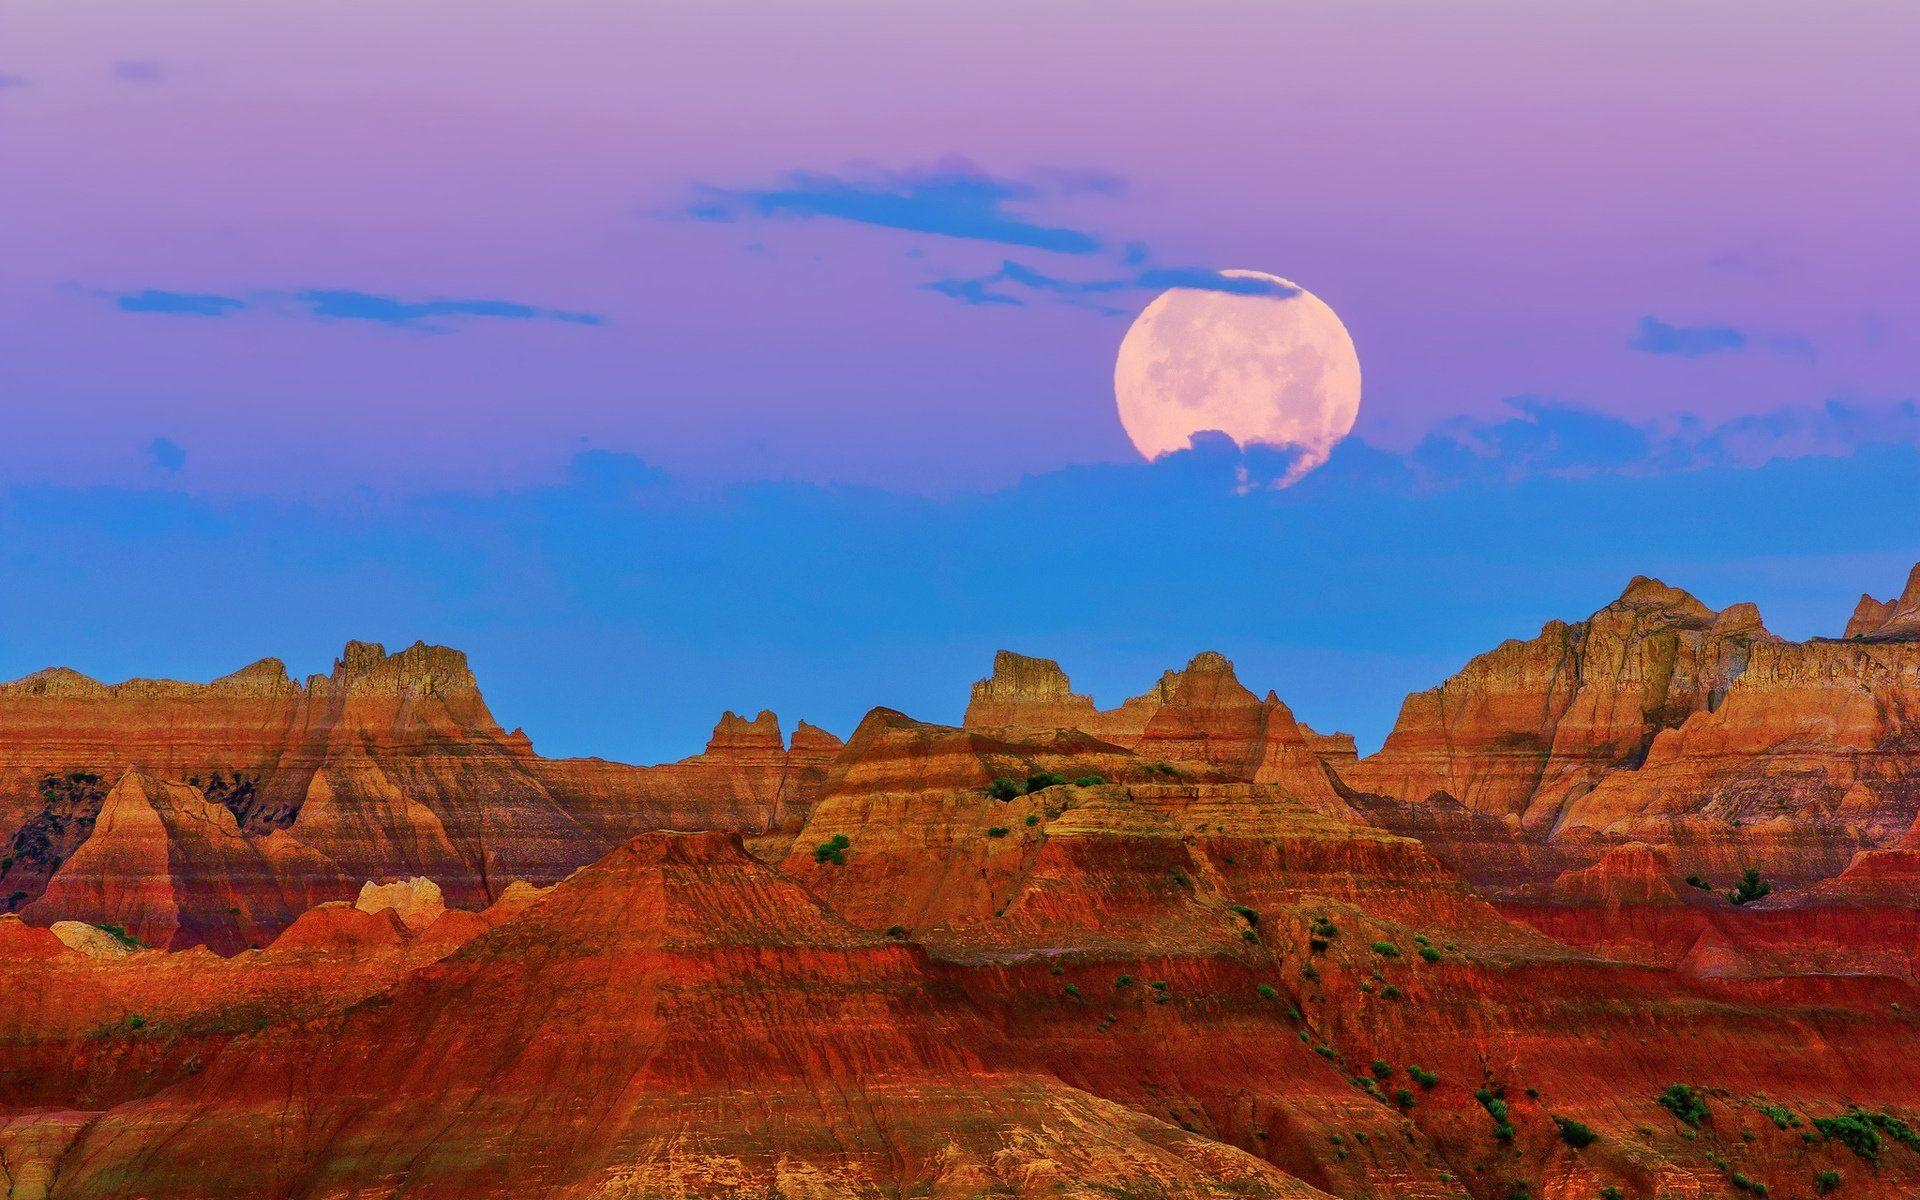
x: 673, y: 357
x: 1492, y: 196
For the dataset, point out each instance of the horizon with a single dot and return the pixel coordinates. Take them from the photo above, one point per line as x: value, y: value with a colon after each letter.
x: 786, y: 369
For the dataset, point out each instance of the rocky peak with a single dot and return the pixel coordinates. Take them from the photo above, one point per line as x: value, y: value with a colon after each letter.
x: 811, y: 739
x: 1208, y: 679
x: 420, y: 667
x: 56, y: 681
x: 735, y: 733
x: 1650, y: 601
x: 1897, y: 619
x: 1026, y: 691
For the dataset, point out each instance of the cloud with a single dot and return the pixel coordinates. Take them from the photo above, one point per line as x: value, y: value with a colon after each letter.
x: 1359, y: 584
x: 11, y: 81
x: 138, y: 70
x: 166, y: 455
x: 335, y: 304
x: 1655, y: 336
x: 952, y: 198
x: 987, y: 289
x: 190, y: 304
x: 1547, y: 438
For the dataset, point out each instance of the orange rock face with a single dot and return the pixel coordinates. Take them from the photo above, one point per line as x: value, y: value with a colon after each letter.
x: 1187, y: 947
x: 255, y: 797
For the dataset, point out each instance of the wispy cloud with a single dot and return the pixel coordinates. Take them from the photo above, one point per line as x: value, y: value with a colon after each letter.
x: 1655, y: 336
x: 953, y: 198
x: 166, y: 455
x: 1543, y: 437
x: 139, y: 70
x: 187, y: 304
x: 8, y: 80
x: 333, y: 304
x: 436, y: 314
x: 991, y: 288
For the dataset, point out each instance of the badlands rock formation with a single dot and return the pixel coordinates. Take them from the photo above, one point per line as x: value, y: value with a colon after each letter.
x: 1627, y: 910
x: 216, y: 813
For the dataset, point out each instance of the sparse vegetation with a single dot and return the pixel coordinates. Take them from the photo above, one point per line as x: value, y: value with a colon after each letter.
x: 998, y: 831
x: 1161, y: 768
x: 1403, y: 1097
x: 1040, y: 781
x: 1781, y: 1116
x: 1752, y: 1187
x: 1382, y: 1069
x: 1423, y: 1077
x: 1575, y: 1134
x: 1246, y: 914
x: 119, y: 934
x: 1090, y: 781
x: 833, y: 850
x: 1072, y: 989
x: 1386, y: 949
x: 1860, y: 1131
x: 1003, y: 788
x: 1265, y: 991
x: 1033, y: 819
x: 1124, y: 981
x: 1694, y: 881
x: 1684, y: 1103
x: 1750, y: 888
x: 1825, y: 1182
x: 1609, y: 1192
x: 1429, y: 954
x: 1391, y: 992
x: 896, y: 932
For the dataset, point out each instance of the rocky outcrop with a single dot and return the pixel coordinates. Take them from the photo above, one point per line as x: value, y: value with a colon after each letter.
x: 390, y: 765
x: 1201, y: 714
x: 1897, y: 619
x: 612, y: 1029
x: 1529, y: 728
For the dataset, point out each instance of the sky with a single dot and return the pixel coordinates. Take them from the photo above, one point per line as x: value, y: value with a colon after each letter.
x: 676, y: 357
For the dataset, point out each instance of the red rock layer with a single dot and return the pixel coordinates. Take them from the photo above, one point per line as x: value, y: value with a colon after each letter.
x: 263, y: 797
x: 1530, y: 727
x: 675, y: 1020
x: 1199, y: 715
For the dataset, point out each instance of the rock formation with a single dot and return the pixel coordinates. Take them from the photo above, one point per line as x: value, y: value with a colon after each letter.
x: 1891, y: 620
x: 253, y: 797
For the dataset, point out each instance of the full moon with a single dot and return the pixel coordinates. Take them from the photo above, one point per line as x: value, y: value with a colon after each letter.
x: 1271, y: 366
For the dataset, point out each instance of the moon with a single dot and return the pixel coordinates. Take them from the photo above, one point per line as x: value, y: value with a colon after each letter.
x: 1271, y: 366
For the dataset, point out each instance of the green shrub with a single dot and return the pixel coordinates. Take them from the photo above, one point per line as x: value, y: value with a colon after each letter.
x: 1090, y: 781
x: 1033, y: 819
x: 1391, y: 992
x: 1575, y: 1134
x: 896, y: 931
x: 1248, y: 935
x: 1781, y: 1116
x: 1265, y: 991
x: 1850, y: 1131
x: 1386, y: 949
x: 1422, y: 1076
x: 119, y: 934
x: 1040, y: 781
x: 136, y: 1021
x: 1293, y: 1014
x: 1403, y: 1097
x: 1750, y: 888
x: 833, y: 850
x: 1826, y: 1181
x: 1004, y: 788
x: 1326, y: 1052
x: 1073, y: 989
x: 1684, y: 1103
x: 1160, y: 768
x: 1316, y: 945
x: 1429, y: 954
x: 1752, y: 1187
x: 1503, y: 1132
x: 1124, y: 981
x: 1694, y: 881
x: 1609, y: 1192
x: 998, y: 831
x: 1246, y: 914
